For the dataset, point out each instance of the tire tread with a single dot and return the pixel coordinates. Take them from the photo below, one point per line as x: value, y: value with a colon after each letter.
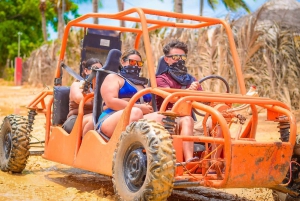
x: 19, y: 153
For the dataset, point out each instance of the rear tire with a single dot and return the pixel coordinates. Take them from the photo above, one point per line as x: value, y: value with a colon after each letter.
x: 290, y: 191
x: 279, y: 196
x: 14, y: 144
x: 144, y: 163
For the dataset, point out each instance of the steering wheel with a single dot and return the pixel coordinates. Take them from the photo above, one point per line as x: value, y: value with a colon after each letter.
x: 216, y: 77
x: 212, y: 77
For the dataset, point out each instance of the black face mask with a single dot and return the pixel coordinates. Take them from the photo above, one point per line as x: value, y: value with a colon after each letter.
x: 178, y: 72
x: 132, y: 73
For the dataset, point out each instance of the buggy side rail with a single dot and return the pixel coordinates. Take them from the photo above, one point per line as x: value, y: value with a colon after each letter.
x: 40, y: 99
x: 261, y: 156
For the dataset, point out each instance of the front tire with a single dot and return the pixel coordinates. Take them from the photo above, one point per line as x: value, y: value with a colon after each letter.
x: 14, y: 144
x: 144, y: 163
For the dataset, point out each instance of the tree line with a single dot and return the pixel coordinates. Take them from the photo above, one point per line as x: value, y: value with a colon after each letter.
x: 27, y: 17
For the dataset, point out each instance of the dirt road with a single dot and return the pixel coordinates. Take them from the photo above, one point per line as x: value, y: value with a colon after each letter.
x: 46, y: 180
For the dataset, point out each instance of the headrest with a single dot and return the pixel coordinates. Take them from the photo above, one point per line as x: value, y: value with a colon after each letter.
x: 162, y: 66
x: 112, y: 62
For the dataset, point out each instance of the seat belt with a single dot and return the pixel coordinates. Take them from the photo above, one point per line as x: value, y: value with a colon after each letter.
x: 86, y: 85
x: 71, y: 72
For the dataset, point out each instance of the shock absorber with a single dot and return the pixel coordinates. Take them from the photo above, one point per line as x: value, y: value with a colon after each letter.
x: 284, y: 129
x: 31, y: 116
x: 291, y: 183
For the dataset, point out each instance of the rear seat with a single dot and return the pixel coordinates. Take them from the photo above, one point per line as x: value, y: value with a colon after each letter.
x: 60, y: 105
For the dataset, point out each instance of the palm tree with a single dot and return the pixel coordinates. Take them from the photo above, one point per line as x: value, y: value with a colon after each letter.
x: 60, y: 19
x: 233, y: 5
x: 95, y: 10
x: 96, y: 4
x: 178, y: 8
x: 42, y: 8
x: 60, y: 7
x: 121, y: 8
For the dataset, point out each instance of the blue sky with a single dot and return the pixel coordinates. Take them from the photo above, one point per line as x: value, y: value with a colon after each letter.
x: 189, y: 7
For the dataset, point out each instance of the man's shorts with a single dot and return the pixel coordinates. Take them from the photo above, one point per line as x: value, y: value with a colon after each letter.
x: 198, y: 128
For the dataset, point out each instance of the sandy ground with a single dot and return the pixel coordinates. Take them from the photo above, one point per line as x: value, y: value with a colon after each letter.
x: 46, y: 180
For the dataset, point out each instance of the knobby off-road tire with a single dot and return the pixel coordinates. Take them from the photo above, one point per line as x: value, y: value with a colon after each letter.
x: 279, y: 196
x: 290, y: 191
x: 14, y: 144
x: 144, y: 163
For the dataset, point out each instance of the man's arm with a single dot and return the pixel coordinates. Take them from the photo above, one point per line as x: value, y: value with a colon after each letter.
x: 194, y: 86
x: 162, y: 82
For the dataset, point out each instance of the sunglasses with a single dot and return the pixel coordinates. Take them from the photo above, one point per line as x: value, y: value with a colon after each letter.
x: 135, y: 62
x: 90, y: 67
x: 176, y: 57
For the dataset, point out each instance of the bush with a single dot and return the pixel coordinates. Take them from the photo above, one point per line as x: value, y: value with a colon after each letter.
x: 8, y: 74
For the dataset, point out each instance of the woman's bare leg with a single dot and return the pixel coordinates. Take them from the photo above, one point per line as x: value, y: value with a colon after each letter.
x: 154, y: 116
x: 87, y: 123
x: 109, y: 125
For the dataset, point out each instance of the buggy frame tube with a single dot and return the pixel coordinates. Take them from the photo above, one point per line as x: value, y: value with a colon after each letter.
x: 122, y: 16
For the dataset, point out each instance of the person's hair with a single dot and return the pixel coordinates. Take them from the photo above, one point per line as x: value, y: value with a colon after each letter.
x: 175, y: 44
x: 89, y: 63
x: 127, y: 53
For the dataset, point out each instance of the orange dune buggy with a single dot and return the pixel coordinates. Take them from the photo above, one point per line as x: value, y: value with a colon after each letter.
x: 145, y: 159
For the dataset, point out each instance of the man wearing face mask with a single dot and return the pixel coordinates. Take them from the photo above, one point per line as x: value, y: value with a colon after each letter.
x: 118, y: 89
x: 176, y: 77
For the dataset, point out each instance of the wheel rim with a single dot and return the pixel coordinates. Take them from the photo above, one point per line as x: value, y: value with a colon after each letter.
x: 7, y: 144
x: 135, y: 167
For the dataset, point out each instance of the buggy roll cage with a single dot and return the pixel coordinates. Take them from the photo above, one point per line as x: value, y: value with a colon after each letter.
x: 76, y: 149
x: 145, y: 29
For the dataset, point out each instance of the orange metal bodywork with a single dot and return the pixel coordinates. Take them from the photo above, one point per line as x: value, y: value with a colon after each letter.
x: 248, y: 163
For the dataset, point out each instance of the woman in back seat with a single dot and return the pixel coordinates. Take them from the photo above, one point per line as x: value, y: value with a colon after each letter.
x: 117, y: 89
x: 76, y: 96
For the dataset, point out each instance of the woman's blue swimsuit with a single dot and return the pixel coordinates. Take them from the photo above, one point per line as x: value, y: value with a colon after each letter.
x: 127, y: 91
